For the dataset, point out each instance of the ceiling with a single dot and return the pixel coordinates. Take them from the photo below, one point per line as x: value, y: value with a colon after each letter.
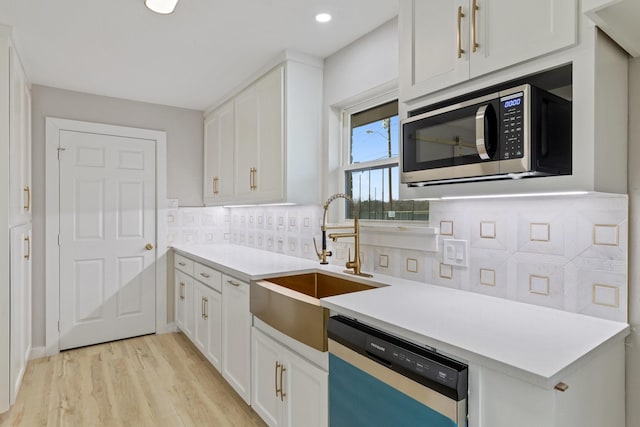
x: 191, y: 58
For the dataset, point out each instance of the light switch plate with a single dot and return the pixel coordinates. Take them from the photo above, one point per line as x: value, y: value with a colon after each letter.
x: 456, y: 252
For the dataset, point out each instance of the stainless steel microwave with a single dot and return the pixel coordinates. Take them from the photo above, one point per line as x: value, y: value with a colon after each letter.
x: 516, y: 133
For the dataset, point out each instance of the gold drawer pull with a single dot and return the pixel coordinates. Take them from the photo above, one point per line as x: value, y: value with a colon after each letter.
x: 181, y: 290
x: 182, y: 264
x: 28, y: 255
x: 474, y: 38
x: 205, y: 275
x: 282, y: 393
x: 561, y: 387
x: 275, y: 379
x: 459, y: 35
x: 231, y: 282
x: 28, y: 191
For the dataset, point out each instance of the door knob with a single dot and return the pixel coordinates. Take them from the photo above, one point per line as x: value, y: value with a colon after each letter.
x: 149, y: 246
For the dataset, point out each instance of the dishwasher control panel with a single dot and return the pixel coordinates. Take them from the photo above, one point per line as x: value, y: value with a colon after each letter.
x: 427, y: 367
x: 405, y: 358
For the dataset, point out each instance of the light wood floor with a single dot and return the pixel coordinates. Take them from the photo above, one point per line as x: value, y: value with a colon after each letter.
x: 155, y: 380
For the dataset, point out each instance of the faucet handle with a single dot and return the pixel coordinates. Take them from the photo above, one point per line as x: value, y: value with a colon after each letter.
x: 322, y: 256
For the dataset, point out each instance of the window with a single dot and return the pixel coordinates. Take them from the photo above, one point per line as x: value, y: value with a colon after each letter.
x: 372, y: 173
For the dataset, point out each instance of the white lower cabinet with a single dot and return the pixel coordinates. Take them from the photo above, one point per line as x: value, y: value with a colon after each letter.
x: 212, y: 310
x: 236, y: 336
x: 288, y: 390
x: 591, y: 394
x: 20, y: 305
x: 208, y: 323
x: 198, y: 307
x: 184, y: 312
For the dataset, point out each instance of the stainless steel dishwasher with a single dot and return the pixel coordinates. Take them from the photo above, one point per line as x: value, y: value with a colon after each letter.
x: 379, y: 380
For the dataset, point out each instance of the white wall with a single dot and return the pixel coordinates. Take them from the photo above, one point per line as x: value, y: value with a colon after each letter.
x: 184, y: 152
x: 366, y: 66
x: 633, y: 348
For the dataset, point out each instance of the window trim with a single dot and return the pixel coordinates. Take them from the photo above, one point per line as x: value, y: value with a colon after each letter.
x: 345, y: 166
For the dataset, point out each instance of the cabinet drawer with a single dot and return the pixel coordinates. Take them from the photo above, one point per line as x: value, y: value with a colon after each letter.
x: 184, y: 264
x: 208, y: 276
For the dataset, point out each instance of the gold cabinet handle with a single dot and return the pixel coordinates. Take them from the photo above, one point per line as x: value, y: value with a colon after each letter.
x: 148, y: 246
x: 216, y: 180
x: 282, y: 393
x: 474, y: 39
x: 255, y: 178
x: 252, y: 179
x: 28, y: 255
x: 561, y: 387
x: 181, y: 290
x: 205, y: 275
x: 182, y: 264
x: 27, y: 190
x: 231, y: 282
x: 275, y: 378
x: 202, y: 307
x: 205, y: 312
x: 459, y: 34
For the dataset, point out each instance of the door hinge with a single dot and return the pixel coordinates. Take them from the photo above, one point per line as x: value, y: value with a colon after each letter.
x: 59, y: 150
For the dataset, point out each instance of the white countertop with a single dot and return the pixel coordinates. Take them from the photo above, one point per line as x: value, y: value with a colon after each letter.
x: 535, y: 343
x: 247, y: 263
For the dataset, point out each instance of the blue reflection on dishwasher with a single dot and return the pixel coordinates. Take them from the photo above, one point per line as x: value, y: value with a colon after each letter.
x: 358, y: 399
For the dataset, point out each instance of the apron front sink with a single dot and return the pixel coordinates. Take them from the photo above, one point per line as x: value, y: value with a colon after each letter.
x: 291, y: 304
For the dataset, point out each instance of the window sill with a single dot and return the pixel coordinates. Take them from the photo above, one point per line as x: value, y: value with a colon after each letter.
x: 400, y: 235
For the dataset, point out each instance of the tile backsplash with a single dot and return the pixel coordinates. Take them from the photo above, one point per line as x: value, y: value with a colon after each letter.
x: 565, y: 253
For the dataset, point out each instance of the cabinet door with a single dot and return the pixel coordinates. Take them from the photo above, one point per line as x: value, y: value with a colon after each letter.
x: 218, y: 155
x: 180, y: 298
x: 306, y: 389
x: 430, y: 55
x: 20, y: 310
x: 20, y: 147
x: 213, y: 311
x: 269, y: 173
x: 511, y: 31
x: 236, y: 336
x: 246, y: 143
x: 200, y: 332
x: 266, y: 378
x: 189, y: 304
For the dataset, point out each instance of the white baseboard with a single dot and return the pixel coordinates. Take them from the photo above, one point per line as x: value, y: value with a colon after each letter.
x: 37, y: 353
x: 168, y: 328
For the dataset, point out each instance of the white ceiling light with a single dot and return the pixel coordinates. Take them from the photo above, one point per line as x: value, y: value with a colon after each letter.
x: 161, y: 6
x: 323, y: 17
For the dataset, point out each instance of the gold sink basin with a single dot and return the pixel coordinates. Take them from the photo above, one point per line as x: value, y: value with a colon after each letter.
x: 291, y: 304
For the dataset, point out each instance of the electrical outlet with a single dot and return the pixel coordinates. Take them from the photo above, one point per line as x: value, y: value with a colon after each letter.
x: 456, y: 252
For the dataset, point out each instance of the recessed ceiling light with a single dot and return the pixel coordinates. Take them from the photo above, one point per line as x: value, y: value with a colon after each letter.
x: 161, y: 6
x: 323, y: 17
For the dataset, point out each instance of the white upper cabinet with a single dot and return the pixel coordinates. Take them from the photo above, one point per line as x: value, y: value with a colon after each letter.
x: 272, y: 152
x: 20, y: 148
x: 218, y: 155
x: 444, y: 43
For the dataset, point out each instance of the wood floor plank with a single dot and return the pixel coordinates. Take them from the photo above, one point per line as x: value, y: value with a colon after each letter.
x: 154, y: 380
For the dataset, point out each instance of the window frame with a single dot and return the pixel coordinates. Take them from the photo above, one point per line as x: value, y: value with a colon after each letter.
x: 345, y: 155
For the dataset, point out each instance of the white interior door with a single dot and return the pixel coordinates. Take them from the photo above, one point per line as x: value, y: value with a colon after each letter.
x: 107, y: 219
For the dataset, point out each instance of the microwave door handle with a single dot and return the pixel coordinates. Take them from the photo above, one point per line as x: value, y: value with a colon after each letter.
x: 480, y: 132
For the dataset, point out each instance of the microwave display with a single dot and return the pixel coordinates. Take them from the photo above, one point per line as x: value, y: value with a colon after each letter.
x: 512, y: 137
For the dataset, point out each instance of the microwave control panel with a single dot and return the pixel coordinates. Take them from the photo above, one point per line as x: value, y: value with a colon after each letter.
x: 512, y: 126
